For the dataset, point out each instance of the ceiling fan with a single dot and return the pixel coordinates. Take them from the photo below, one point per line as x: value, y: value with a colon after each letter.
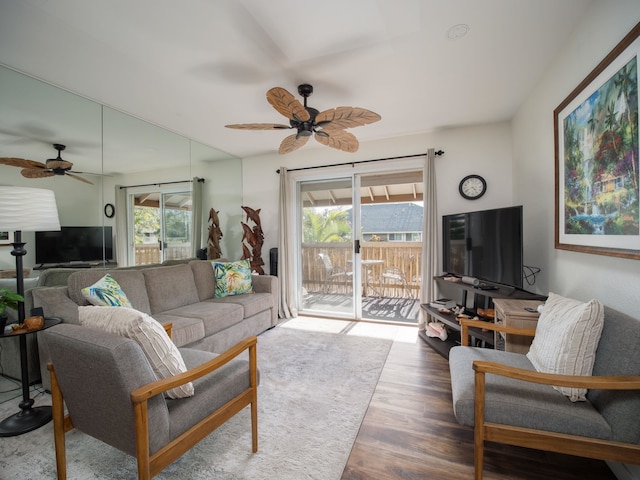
x: 327, y: 126
x: 53, y: 166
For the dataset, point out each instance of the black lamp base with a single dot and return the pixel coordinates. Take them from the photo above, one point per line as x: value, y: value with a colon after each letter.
x: 25, y: 421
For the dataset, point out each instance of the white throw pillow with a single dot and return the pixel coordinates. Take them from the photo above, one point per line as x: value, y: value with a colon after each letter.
x: 566, y: 339
x: 163, y: 355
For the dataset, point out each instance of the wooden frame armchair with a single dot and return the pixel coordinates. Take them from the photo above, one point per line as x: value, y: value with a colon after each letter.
x: 502, y: 407
x: 111, y: 394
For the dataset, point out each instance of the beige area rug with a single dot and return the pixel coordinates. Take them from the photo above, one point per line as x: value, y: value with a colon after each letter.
x: 314, y: 392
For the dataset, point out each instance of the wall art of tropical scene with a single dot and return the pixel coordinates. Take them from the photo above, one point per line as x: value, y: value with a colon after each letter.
x: 601, y: 159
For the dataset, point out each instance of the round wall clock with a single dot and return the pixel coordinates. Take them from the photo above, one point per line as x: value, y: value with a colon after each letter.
x: 109, y: 210
x: 472, y: 187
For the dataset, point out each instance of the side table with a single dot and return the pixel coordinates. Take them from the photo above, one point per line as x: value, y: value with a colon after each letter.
x: 29, y: 418
x: 512, y: 313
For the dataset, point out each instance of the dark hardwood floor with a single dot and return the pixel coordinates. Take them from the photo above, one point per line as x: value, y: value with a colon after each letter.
x: 409, y: 432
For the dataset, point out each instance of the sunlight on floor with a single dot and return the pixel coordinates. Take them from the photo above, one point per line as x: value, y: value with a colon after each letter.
x: 398, y: 333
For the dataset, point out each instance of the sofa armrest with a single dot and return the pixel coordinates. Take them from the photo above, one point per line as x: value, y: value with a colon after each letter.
x: 265, y: 283
x: 55, y: 302
x: 465, y: 323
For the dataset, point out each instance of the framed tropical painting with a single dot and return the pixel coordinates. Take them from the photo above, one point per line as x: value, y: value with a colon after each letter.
x: 596, y: 149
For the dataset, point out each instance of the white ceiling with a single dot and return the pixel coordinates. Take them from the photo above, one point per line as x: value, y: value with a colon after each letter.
x: 193, y: 66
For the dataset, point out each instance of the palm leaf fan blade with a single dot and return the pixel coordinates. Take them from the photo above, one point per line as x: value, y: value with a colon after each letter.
x: 79, y: 178
x: 259, y: 126
x: 292, y: 143
x: 347, y: 117
x: 21, y: 162
x: 340, y: 140
x: 36, y: 173
x: 287, y: 105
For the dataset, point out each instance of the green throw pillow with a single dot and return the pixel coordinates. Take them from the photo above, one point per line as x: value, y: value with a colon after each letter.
x: 106, y: 292
x: 232, y: 278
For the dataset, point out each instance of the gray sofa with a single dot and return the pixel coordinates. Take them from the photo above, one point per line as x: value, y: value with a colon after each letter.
x: 181, y: 295
x: 533, y: 408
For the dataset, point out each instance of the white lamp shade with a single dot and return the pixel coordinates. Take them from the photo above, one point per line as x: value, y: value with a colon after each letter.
x: 28, y: 210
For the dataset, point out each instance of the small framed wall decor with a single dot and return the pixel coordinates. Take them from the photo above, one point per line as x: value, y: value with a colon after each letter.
x: 597, y: 202
x: 4, y: 239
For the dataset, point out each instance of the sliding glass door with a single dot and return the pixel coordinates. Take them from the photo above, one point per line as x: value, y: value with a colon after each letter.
x: 361, y: 245
x: 325, y: 213
x: 160, y: 226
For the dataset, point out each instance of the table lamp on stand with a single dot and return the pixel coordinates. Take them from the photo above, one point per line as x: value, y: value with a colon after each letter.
x: 25, y: 209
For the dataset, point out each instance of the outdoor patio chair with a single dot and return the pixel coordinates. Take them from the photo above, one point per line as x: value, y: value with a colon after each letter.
x: 395, y: 277
x: 333, y: 274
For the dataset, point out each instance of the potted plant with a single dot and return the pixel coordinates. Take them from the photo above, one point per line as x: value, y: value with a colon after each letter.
x: 8, y: 299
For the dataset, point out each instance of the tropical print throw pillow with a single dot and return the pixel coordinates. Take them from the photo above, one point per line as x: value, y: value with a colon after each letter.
x: 106, y: 292
x: 232, y: 278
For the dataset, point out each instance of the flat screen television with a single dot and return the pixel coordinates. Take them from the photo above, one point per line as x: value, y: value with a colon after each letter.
x: 74, y: 244
x: 485, y: 244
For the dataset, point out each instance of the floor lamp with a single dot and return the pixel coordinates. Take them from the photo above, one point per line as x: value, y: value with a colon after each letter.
x: 25, y: 210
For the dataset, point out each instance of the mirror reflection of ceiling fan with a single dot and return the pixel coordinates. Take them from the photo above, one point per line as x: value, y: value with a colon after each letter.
x: 328, y: 126
x: 53, y: 166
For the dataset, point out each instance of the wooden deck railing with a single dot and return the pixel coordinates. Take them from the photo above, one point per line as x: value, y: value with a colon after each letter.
x: 406, y: 256
x: 150, y: 253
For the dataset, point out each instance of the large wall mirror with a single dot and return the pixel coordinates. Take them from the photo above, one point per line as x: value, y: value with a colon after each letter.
x: 109, y: 149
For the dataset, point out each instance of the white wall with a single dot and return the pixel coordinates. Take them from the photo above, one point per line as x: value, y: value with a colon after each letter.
x: 612, y: 280
x: 485, y: 150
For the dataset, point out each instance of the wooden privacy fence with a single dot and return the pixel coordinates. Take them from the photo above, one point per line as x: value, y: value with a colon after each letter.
x: 405, y: 256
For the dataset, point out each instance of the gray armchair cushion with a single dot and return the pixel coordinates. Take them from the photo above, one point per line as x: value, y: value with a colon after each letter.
x: 212, y: 391
x: 518, y: 403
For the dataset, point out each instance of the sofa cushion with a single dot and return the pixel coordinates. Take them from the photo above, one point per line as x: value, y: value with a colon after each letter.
x: 232, y: 278
x: 170, y: 287
x: 164, y: 357
x: 185, y: 330
x: 106, y: 292
x: 513, y: 402
x: 203, y: 276
x: 214, y: 318
x: 131, y: 282
x: 251, y: 304
x: 566, y: 339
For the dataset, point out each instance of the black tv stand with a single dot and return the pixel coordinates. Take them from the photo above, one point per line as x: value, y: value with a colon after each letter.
x: 482, y: 298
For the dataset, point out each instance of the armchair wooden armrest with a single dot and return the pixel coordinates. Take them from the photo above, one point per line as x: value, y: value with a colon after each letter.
x: 620, y: 382
x: 144, y: 393
x: 546, y: 440
x: 466, y: 323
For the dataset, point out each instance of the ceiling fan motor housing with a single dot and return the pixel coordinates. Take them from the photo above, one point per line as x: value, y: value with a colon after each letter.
x: 305, y: 129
